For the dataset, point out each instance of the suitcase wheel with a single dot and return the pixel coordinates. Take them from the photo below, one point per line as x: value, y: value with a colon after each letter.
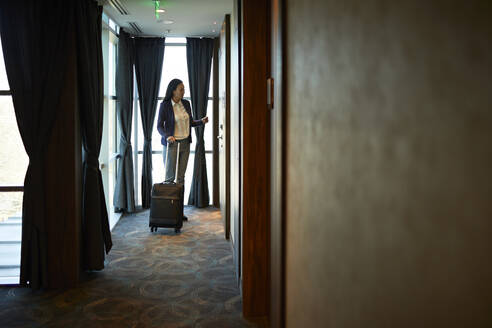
x: 176, y: 230
x: 152, y: 229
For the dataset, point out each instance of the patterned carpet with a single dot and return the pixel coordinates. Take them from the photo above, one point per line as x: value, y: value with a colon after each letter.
x: 159, y: 279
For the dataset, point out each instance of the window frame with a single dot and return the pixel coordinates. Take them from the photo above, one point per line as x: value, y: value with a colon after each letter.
x: 8, y: 93
x: 135, y: 128
x: 11, y: 280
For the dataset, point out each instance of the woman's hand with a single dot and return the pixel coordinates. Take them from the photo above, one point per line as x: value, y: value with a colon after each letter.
x: 171, y: 139
x: 205, y: 120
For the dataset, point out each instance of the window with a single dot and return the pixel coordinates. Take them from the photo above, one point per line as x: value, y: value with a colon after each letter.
x: 175, y: 66
x: 13, y: 167
x: 113, y: 26
x: 172, y: 40
x: 113, y: 126
x: 111, y: 130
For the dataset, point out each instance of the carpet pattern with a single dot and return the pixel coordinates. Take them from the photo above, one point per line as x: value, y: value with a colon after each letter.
x: 159, y: 279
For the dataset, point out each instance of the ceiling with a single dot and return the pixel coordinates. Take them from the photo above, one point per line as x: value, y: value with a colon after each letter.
x: 193, y: 18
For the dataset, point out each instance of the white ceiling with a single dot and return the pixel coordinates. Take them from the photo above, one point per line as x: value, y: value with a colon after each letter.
x: 191, y: 17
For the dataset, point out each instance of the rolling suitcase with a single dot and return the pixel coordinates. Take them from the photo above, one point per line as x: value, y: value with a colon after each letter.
x: 166, y: 204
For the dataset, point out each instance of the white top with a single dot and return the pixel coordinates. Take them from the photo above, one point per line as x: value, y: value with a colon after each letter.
x: 181, y: 121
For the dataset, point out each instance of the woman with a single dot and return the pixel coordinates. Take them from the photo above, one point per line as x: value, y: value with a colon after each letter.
x: 174, y: 125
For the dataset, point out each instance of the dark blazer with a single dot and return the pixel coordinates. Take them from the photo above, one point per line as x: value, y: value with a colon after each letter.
x: 165, y: 121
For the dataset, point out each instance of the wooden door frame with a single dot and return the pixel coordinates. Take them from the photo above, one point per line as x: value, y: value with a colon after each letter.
x: 236, y: 69
x: 277, y: 153
x: 255, y: 159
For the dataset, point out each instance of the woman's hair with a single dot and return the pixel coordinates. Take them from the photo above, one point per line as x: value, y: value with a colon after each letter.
x: 171, y: 87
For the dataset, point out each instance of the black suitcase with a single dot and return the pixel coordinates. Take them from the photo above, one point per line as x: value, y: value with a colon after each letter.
x: 166, y: 204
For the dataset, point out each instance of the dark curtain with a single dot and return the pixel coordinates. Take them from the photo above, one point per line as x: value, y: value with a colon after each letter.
x: 96, y: 235
x: 124, y: 194
x: 149, y: 54
x: 199, y: 58
x: 35, y: 53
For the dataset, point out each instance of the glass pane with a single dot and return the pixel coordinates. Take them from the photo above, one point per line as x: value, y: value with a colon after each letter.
x: 140, y: 129
x: 118, y: 131
x: 189, y: 177
x: 208, y: 132
x: 210, y: 178
x: 14, y: 160
x: 112, y: 24
x: 4, y: 83
x: 10, y: 207
x: 157, y: 168
x: 139, y: 177
x: 113, y: 76
x: 112, y: 183
x: 156, y: 136
x: 111, y: 69
x: 10, y: 236
x: 175, y: 40
x: 134, y: 149
x: 174, y: 67
x: 193, y: 141
x: 211, y: 87
x: 111, y: 126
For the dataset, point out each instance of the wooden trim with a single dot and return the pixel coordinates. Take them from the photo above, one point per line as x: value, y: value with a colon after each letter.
x: 235, y: 128
x: 228, y: 131
x: 277, y: 252
x: 256, y: 159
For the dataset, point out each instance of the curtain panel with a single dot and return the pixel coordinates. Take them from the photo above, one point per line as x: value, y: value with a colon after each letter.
x: 124, y: 194
x: 199, y: 52
x: 149, y: 55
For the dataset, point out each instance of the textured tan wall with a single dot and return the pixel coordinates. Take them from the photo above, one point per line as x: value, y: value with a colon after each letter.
x: 389, y: 151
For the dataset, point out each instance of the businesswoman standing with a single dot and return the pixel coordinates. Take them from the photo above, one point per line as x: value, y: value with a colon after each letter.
x: 174, y: 125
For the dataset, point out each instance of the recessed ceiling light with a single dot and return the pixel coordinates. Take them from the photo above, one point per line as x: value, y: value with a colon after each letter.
x: 161, y: 11
x: 168, y: 22
x: 213, y: 31
x: 215, y: 23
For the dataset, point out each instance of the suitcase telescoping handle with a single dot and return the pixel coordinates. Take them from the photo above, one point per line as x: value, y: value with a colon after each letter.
x: 177, y: 164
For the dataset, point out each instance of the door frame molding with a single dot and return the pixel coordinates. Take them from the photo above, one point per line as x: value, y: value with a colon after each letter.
x: 278, y: 165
